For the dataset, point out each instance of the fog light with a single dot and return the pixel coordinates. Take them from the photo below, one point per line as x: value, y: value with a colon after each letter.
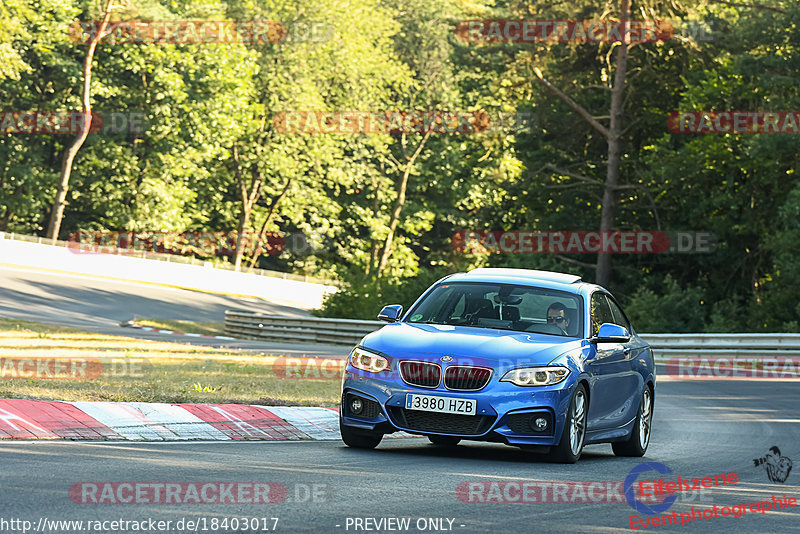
x: 540, y: 424
x: 356, y: 406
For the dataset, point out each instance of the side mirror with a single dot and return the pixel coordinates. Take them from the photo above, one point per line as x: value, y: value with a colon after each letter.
x: 391, y: 314
x: 611, y: 333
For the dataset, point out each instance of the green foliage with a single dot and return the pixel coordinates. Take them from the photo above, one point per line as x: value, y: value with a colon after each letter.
x: 670, y: 309
x: 779, y: 305
x: 363, y: 297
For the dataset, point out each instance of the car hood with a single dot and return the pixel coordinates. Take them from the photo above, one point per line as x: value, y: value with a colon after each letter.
x: 481, y: 346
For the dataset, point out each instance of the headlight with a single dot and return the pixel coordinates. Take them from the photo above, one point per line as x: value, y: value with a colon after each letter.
x: 368, y: 361
x: 536, y: 376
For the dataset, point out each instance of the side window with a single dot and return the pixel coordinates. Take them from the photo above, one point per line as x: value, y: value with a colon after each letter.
x: 601, y: 312
x: 619, y: 317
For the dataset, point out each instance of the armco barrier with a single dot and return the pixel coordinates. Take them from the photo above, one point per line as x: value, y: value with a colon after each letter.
x: 297, y: 329
x: 350, y: 331
x: 668, y: 346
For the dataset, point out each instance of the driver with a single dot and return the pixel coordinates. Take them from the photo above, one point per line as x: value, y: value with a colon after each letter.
x: 557, y: 315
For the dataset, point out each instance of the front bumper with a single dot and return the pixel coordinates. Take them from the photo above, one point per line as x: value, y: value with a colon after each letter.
x: 504, y: 411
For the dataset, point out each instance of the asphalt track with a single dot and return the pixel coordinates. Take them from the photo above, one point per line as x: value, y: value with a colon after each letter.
x: 700, y: 429
x: 99, y: 305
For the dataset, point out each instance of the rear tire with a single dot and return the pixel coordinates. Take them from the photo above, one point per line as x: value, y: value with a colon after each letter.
x: 444, y: 441
x: 359, y: 439
x: 570, y: 446
x: 636, y: 444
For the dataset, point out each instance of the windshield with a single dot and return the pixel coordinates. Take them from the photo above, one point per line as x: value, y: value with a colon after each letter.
x: 501, y: 306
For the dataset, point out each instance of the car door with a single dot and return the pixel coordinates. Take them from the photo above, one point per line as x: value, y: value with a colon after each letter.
x: 633, y: 349
x: 613, y: 381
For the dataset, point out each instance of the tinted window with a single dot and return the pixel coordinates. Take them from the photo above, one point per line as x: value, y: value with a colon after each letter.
x: 500, y: 306
x: 619, y: 317
x: 601, y: 312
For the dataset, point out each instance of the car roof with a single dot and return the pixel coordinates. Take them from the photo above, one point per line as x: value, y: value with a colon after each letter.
x: 550, y: 279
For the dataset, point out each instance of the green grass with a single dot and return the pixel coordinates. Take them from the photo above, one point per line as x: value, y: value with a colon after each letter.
x: 149, y: 371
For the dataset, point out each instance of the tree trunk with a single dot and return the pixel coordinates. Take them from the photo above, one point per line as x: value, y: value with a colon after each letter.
x: 249, y: 197
x: 398, y: 206
x: 244, y: 222
x: 374, y: 245
x: 609, y: 208
x: 613, y: 135
x: 386, y: 250
x: 57, y: 213
x: 274, y: 206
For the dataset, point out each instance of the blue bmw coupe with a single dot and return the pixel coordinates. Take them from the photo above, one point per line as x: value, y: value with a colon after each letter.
x: 534, y: 359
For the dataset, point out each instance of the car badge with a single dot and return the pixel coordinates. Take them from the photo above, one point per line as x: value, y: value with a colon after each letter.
x: 447, y: 359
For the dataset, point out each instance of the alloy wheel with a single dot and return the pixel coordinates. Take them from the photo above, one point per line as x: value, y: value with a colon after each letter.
x: 644, y: 419
x: 577, y: 423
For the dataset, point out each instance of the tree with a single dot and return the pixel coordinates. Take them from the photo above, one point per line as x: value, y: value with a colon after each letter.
x: 13, y: 14
x: 330, y: 67
x: 612, y: 134
x: 424, y: 45
x: 72, y: 150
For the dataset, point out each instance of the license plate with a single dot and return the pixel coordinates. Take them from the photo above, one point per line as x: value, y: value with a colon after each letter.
x: 429, y: 403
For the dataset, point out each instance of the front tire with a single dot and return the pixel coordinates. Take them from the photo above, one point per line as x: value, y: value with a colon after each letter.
x: 359, y: 439
x: 636, y: 444
x: 570, y: 446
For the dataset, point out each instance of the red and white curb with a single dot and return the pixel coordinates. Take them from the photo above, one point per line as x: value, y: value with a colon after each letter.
x: 142, y: 421
x: 131, y: 324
